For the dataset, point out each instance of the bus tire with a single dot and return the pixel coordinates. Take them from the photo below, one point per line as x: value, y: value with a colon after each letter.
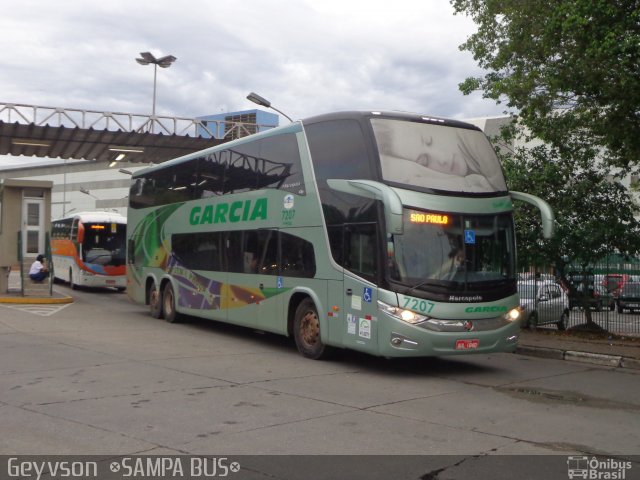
x: 71, y: 284
x: 155, y: 301
x: 169, y: 304
x: 306, y: 331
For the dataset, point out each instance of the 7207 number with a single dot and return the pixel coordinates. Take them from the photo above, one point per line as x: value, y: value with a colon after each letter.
x: 417, y: 305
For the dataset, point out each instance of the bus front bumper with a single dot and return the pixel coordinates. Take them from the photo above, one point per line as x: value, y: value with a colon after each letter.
x: 401, y: 339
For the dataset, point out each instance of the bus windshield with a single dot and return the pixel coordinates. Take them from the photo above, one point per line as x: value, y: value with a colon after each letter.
x: 452, y: 249
x: 437, y: 157
x: 104, y: 243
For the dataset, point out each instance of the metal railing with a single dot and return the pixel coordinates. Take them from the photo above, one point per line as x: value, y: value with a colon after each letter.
x: 127, y: 122
x: 20, y: 262
x: 592, y: 297
x: 49, y: 257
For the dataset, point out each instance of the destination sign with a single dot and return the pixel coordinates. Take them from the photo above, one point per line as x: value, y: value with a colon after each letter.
x: 423, y: 217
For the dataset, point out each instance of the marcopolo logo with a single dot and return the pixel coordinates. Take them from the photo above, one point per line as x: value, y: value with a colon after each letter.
x: 223, y: 212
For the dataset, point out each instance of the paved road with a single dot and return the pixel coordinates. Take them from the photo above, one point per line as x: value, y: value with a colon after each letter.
x: 100, y: 376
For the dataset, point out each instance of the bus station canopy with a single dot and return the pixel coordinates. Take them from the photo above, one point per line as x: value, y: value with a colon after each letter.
x: 62, y: 142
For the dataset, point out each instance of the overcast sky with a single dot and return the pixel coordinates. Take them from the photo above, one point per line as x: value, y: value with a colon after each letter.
x: 306, y: 56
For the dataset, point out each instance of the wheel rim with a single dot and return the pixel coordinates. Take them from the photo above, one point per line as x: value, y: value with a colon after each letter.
x: 153, y: 298
x: 168, y: 302
x: 310, y: 328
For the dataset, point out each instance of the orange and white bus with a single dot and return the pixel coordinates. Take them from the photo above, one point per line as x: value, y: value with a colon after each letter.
x: 89, y: 249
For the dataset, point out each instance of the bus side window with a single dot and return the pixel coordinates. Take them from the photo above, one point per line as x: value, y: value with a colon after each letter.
x: 298, y: 257
x: 74, y: 230
x: 360, y: 250
x: 268, y: 252
x: 234, y: 250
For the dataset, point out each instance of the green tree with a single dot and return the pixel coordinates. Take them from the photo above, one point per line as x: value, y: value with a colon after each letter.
x: 568, y: 67
x: 594, y: 215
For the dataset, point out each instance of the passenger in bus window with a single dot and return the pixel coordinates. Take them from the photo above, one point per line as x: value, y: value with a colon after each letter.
x: 250, y: 262
x: 38, y: 271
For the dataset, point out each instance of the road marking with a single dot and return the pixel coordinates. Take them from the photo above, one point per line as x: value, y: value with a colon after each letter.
x: 44, y: 310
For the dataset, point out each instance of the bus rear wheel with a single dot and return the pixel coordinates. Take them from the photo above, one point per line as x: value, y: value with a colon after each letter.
x: 155, y: 301
x: 306, y: 331
x: 169, y: 304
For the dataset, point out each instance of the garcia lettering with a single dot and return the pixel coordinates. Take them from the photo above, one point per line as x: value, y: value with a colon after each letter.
x: 230, y: 212
x: 494, y: 309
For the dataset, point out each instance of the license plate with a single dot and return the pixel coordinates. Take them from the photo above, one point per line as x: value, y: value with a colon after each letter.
x: 111, y: 282
x: 467, y: 344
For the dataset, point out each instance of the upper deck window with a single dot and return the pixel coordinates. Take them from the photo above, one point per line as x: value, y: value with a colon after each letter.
x: 437, y: 157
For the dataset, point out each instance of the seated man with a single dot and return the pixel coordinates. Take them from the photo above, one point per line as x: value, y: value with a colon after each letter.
x: 38, y: 271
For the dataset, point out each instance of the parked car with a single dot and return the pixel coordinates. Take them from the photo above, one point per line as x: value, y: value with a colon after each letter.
x: 629, y: 298
x: 614, y: 282
x: 537, y: 277
x: 581, y: 289
x: 602, y: 299
x: 596, y: 297
x: 543, y: 303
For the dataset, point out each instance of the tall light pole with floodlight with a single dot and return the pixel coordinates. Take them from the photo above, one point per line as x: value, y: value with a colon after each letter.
x: 163, y: 62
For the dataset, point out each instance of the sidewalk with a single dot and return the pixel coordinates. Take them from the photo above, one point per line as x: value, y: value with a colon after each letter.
x: 15, y: 297
x: 615, y: 351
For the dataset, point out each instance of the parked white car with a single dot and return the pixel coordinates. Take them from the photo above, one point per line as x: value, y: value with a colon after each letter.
x: 543, y: 303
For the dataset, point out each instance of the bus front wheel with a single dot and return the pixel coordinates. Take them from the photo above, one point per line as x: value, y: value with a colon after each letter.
x: 169, y: 304
x: 306, y: 331
x: 71, y: 284
x: 155, y: 301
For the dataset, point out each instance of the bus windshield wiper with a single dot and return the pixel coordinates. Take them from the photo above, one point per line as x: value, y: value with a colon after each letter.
x: 416, y: 287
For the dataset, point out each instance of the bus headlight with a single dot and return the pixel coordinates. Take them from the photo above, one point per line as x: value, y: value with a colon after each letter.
x: 513, y: 314
x: 401, y: 314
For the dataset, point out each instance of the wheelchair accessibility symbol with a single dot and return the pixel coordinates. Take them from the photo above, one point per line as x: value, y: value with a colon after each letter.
x: 367, y: 295
x: 470, y: 236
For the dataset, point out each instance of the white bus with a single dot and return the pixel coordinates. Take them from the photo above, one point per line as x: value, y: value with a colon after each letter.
x: 89, y: 249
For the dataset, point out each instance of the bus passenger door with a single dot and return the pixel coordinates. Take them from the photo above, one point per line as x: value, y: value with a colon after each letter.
x: 270, y: 316
x: 253, y: 279
x: 360, y: 292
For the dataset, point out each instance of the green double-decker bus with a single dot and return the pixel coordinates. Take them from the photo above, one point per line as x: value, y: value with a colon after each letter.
x: 388, y: 233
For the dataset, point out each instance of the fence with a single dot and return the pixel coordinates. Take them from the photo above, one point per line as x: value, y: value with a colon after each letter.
x: 604, y: 295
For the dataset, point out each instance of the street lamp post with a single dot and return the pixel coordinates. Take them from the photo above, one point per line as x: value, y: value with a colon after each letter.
x: 87, y: 192
x: 263, y: 102
x: 163, y: 62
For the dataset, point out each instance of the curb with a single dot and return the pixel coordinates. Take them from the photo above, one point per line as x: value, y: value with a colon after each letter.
x: 36, y: 300
x: 543, y: 352
x: 595, y: 358
x: 583, y: 357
